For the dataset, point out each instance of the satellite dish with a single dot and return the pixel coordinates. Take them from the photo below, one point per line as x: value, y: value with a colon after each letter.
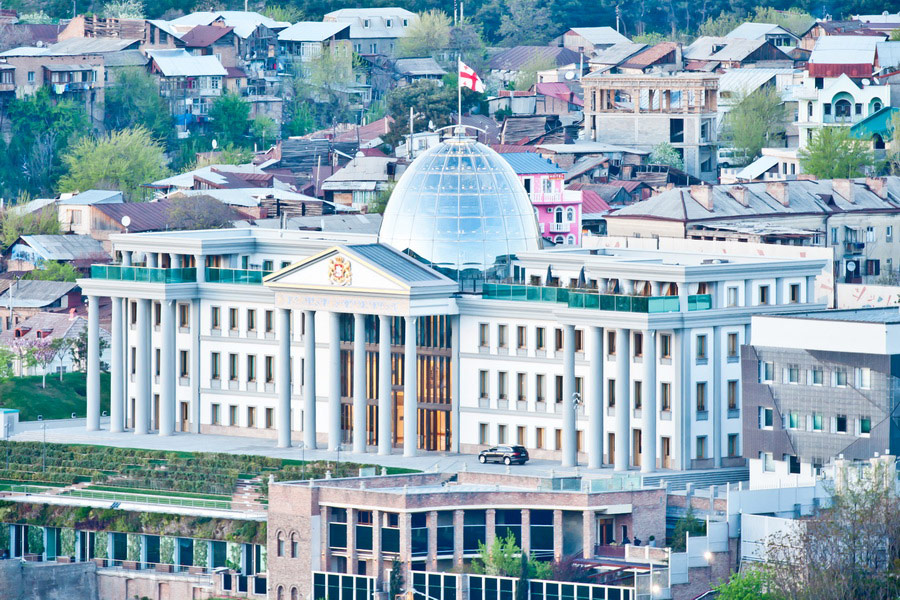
x: 126, y: 221
x: 215, y: 144
x: 865, y: 82
x: 570, y: 75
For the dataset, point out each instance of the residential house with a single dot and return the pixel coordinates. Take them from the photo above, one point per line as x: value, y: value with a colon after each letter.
x: 189, y: 84
x: 24, y: 298
x: 774, y: 164
x: 30, y: 252
x: 557, y: 98
x: 568, y: 155
x: 421, y: 141
x: 260, y: 203
x: 878, y: 128
x: 213, y: 40
x: 834, y: 56
x: 887, y: 57
x: 841, y: 102
x: 587, y: 40
x: 506, y: 66
x: 641, y: 111
x: 409, y: 70
x: 843, y: 29
x: 615, y: 196
x: 610, y: 58
x: 558, y: 213
x: 708, y: 53
x: 662, y: 57
x: 94, y: 26
x: 374, y: 30
x: 736, y: 84
x: 75, y: 215
x: 361, y: 180
x: 305, y: 41
x: 160, y: 35
x: 776, y: 34
x: 46, y: 327
x: 857, y: 218
x: 594, y: 207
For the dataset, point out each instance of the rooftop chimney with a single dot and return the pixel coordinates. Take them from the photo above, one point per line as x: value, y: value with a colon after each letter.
x: 739, y: 193
x: 843, y: 188
x: 703, y: 194
x: 779, y: 191
x: 878, y: 185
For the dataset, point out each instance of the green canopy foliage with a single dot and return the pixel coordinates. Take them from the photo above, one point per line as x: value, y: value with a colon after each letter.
x: 834, y: 154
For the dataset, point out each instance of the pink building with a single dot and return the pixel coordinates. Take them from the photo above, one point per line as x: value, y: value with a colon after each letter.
x: 558, y: 210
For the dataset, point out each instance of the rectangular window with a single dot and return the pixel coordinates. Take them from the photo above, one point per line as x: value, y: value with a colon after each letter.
x: 521, y: 387
x: 521, y: 337
x: 501, y: 385
x: 818, y: 376
x: 216, y: 417
x: 184, y: 316
x: 539, y: 438
x: 270, y: 418
x: 766, y: 417
x: 763, y: 294
x: 484, y: 336
x: 215, y: 373
x: 251, y: 416
x: 268, y: 265
x: 233, y: 367
x: 865, y: 426
x: 501, y: 336
x: 483, y: 433
x: 559, y: 389
x: 251, y: 367
x: 558, y: 339
x: 793, y: 374
x: 732, y: 342
x: 233, y: 415
x: 501, y: 434
x: 251, y: 320
x: 701, y: 347
x: 611, y: 392
x: 840, y: 378
x: 793, y: 420
x: 270, y: 321
x: 539, y: 388
x: 795, y: 293
x: 701, y: 446
x: 731, y: 296
x: 611, y: 343
x: 539, y: 333
x: 768, y: 461
x: 665, y: 345
x: 701, y: 396
x: 520, y: 436
x: 732, y: 387
x: 579, y: 340
x: 183, y: 363
x: 558, y: 435
x: 864, y: 378
x: 270, y: 369
x: 665, y: 396
x: 157, y: 314
x: 768, y: 372
x: 889, y: 233
x: 733, y: 445
x: 215, y: 317
x: 482, y: 384
x: 841, y: 424
x: 233, y: 319
x: 637, y: 395
x: 817, y: 422
x: 638, y: 345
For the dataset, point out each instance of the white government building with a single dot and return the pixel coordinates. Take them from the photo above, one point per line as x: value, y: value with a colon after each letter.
x: 628, y: 358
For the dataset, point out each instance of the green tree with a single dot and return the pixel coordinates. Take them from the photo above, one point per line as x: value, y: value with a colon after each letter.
x: 833, y: 153
x: 467, y: 43
x: 78, y: 347
x: 758, y: 121
x: 665, y: 153
x: 688, y: 524
x: 503, y: 558
x: 525, y: 23
x: 53, y: 270
x: 721, y: 25
x: 301, y: 121
x: 14, y: 224
x: 287, y: 13
x: 121, y: 160
x: 795, y: 20
x: 528, y: 74
x: 750, y: 585
x: 229, y: 118
x: 133, y: 100
x: 381, y: 199
x: 428, y: 36
x: 7, y: 357
x: 124, y: 9
x: 895, y: 35
x: 325, y: 85
x: 263, y: 130
x: 395, y: 582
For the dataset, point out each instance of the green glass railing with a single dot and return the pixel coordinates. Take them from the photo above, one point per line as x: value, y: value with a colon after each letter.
x: 144, y: 274
x: 586, y: 299
x: 242, y: 276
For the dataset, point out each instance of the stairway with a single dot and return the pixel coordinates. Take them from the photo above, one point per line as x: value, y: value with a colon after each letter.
x: 700, y: 479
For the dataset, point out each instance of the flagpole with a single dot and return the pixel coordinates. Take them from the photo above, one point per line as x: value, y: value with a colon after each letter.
x: 459, y: 93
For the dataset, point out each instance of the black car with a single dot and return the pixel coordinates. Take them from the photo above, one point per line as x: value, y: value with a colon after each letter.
x: 505, y: 454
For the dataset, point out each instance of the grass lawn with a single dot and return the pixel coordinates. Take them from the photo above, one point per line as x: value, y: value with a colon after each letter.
x: 58, y: 401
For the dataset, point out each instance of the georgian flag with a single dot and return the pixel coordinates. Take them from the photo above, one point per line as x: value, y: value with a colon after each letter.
x: 469, y: 79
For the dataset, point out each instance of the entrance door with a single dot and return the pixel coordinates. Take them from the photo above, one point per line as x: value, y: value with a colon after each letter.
x: 185, y: 421
x: 666, y: 453
x: 636, y: 447
x: 605, y: 531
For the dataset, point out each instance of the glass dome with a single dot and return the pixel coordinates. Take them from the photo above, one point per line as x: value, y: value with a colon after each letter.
x: 461, y: 209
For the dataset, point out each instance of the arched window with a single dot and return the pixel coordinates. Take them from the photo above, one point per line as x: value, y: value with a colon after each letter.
x: 559, y: 214
x: 878, y: 142
x: 279, y: 593
x: 559, y: 239
x: 295, y: 594
x: 279, y: 550
x: 295, y: 546
x: 570, y: 214
x: 876, y: 106
x: 571, y: 239
x: 843, y: 108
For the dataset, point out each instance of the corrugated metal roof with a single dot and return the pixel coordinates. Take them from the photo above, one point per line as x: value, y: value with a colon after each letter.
x: 529, y: 163
x: 28, y: 293
x: 888, y: 54
x: 745, y: 81
x: 418, y: 67
x: 125, y: 58
x: 311, y: 31
x: 616, y: 54
x: 377, y: 21
x: 244, y: 22
x: 401, y: 266
x: 586, y: 147
x: 724, y: 48
x: 202, y: 36
x: 518, y: 57
x: 844, y: 50
x: 757, y: 168
x: 96, y: 45
x: 65, y: 247
x: 179, y: 63
x: 755, y: 31
x: 145, y: 216
x: 650, y: 56
x: 600, y: 35
x: 63, y: 68
x: 886, y: 315
x: 592, y: 203
x: 95, y: 197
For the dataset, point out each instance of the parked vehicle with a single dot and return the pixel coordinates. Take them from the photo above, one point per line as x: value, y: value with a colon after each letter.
x: 505, y: 454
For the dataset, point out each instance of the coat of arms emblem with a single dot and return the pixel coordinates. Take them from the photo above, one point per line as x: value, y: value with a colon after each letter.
x: 339, y: 271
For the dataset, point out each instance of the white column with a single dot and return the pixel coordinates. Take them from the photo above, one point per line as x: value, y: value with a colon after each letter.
x: 152, y: 259
x: 595, y: 398
x: 200, y: 264
x: 116, y: 370
x: 385, y: 402
x: 570, y: 445
x: 410, y: 391
x: 167, y: 369
x: 715, y: 395
x: 195, y: 365
x: 455, y: 424
x: 283, y: 378
x: 359, y: 383
x: 93, y: 364
x: 142, y: 369
x: 126, y: 258
x: 309, y: 380
x: 649, y: 411
x: 334, y: 380
x: 810, y: 289
x: 623, y: 400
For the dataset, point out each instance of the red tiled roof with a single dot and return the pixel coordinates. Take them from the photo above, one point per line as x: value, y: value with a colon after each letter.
x: 202, y: 36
